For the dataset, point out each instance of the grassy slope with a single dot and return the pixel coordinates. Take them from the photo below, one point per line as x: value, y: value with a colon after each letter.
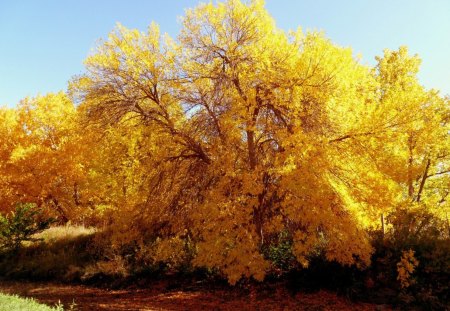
x: 62, y: 250
x: 13, y: 302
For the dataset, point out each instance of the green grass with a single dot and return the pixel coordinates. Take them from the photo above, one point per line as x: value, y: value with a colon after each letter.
x: 16, y: 303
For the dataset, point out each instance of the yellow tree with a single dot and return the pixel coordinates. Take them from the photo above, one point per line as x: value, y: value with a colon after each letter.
x: 44, y: 161
x: 247, y: 132
x: 9, y: 131
x: 419, y: 136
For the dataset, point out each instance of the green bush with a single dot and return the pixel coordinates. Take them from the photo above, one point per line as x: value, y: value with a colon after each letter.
x: 279, y: 252
x: 20, y: 225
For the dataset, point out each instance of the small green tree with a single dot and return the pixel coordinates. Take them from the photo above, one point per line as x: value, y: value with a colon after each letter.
x: 20, y: 225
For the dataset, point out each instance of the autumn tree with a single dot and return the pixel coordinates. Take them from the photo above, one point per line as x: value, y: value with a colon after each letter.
x: 42, y: 155
x: 238, y: 132
x: 8, y: 133
x: 421, y: 143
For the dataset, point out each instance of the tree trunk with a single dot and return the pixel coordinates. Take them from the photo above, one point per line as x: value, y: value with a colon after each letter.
x: 251, y: 149
x: 410, y: 163
x: 422, y: 182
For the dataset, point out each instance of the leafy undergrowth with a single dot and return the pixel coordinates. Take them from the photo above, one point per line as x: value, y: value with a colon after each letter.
x: 13, y: 302
x: 78, y: 257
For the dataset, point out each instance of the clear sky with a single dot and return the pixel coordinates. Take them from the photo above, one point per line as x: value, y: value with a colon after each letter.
x: 43, y: 43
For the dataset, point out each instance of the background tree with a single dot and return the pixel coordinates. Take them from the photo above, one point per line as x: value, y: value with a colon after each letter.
x: 44, y: 164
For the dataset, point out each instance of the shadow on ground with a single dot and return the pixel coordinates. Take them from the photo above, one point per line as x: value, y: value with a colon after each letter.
x: 159, y: 297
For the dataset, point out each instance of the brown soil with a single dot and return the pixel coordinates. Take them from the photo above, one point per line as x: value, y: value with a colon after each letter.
x: 157, y: 297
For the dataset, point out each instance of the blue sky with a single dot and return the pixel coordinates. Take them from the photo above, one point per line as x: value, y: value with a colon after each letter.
x: 43, y: 43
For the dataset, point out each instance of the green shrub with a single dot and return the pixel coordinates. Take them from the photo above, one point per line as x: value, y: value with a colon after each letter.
x: 279, y: 252
x: 20, y: 225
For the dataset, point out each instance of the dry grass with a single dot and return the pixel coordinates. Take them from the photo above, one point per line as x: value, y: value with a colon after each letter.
x: 67, y: 232
x: 62, y: 250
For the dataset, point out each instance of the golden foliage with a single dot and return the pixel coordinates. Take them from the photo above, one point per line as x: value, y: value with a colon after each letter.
x: 406, y: 267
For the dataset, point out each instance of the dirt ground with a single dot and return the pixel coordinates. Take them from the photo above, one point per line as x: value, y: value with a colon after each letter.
x: 158, y: 297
